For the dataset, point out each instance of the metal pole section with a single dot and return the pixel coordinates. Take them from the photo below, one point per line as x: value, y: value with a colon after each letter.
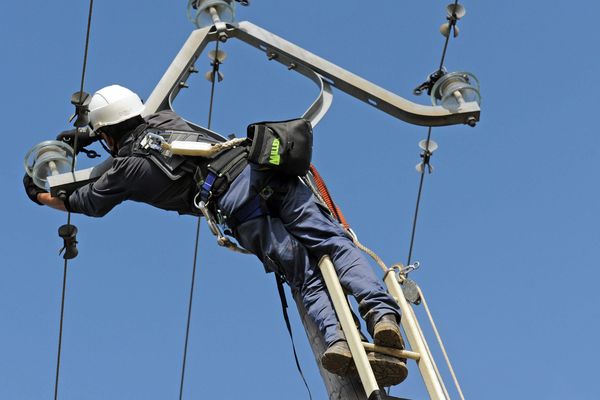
x: 345, y: 316
x: 433, y: 382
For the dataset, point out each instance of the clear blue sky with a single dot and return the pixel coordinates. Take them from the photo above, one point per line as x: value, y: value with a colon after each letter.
x: 508, y: 236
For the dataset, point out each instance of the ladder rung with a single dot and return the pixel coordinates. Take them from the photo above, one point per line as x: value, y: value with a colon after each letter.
x: 392, y: 352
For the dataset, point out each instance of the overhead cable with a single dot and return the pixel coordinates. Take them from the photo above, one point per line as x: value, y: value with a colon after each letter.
x: 66, y: 255
x: 420, y: 190
x: 216, y: 63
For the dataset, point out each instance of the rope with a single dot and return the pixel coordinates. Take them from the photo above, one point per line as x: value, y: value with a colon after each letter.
x: 66, y: 263
x: 189, y: 315
x: 441, y: 344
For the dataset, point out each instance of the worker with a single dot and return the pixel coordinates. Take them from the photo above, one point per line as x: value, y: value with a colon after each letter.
x: 289, y: 233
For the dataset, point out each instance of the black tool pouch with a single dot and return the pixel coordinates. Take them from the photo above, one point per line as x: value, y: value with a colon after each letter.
x: 284, y: 146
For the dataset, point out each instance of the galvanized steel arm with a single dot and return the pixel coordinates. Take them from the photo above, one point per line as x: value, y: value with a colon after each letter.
x: 310, y: 65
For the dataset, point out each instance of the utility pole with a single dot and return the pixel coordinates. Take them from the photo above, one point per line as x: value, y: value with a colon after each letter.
x: 338, y: 388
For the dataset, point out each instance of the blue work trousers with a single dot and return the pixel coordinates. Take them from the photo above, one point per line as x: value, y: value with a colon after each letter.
x: 293, y: 237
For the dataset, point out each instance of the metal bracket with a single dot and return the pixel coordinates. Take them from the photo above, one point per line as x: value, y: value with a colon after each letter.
x: 310, y: 65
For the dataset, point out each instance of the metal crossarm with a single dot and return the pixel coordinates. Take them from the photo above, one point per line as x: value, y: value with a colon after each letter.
x: 308, y: 64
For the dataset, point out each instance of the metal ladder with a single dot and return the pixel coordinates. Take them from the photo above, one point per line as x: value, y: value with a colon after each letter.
x: 421, y: 354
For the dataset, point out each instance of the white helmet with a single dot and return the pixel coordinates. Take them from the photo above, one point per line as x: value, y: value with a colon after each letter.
x: 113, y: 104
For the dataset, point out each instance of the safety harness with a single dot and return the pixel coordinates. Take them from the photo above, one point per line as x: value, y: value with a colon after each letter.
x: 285, y: 147
x: 212, y: 174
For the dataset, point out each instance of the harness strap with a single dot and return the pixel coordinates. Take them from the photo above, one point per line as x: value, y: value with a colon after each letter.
x: 284, y: 307
x: 206, y: 188
x: 214, y: 178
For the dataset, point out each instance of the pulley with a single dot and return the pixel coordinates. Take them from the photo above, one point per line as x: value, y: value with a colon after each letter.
x: 454, y: 89
x: 47, y: 158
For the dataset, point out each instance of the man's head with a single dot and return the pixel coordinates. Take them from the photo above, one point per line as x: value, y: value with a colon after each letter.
x: 115, y: 111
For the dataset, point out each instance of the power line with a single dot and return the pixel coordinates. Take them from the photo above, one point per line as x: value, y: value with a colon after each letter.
x: 216, y: 64
x: 425, y: 161
x: 66, y: 263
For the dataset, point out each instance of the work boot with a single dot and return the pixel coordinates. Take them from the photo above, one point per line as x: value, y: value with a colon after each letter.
x: 388, y: 370
x: 387, y: 333
x: 337, y: 359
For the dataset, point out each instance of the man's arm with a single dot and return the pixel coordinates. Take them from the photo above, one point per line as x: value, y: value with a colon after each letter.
x: 40, y: 196
x: 54, y: 202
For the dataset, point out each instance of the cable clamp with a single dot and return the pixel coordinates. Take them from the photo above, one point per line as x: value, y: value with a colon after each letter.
x: 428, y: 84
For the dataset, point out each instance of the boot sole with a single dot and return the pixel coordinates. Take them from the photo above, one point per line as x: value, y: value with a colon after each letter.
x: 388, y: 336
x: 388, y: 371
x: 337, y: 363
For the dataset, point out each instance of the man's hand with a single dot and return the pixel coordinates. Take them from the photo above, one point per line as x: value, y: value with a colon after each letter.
x: 83, y: 138
x: 32, y: 190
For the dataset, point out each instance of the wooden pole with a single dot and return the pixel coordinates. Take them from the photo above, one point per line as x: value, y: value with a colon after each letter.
x: 338, y: 388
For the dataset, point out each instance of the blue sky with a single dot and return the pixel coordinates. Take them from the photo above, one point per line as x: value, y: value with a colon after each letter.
x: 508, y: 232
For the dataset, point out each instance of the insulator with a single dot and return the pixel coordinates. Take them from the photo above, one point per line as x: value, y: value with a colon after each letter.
x: 454, y: 89
x: 205, y: 13
x: 51, y: 157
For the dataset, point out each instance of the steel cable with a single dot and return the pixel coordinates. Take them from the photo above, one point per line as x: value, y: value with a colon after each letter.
x: 420, y: 191
x: 190, y: 302
x: 66, y: 263
x: 414, y: 226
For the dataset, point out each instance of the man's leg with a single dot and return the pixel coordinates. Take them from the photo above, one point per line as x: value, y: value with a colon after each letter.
x: 269, y: 239
x: 281, y: 252
x: 321, y: 235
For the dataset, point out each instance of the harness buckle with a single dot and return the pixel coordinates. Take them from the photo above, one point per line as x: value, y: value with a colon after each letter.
x: 152, y: 141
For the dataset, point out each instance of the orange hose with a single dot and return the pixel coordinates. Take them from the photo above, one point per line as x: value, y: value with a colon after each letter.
x: 337, y: 213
